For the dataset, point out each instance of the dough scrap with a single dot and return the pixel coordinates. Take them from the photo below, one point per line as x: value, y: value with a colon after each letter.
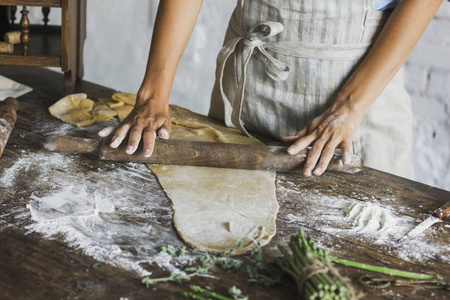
x: 79, y: 117
x: 68, y: 103
x: 127, y: 98
x: 215, y: 208
x: 103, y: 113
x: 74, y: 109
x: 123, y: 111
x: 110, y: 102
x: 70, y: 108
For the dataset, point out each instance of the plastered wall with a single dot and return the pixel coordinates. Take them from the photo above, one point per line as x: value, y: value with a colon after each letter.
x: 118, y: 40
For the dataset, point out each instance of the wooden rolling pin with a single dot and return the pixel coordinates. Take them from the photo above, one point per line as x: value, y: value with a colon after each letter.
x: 204, y: 154
x: 8, y: 117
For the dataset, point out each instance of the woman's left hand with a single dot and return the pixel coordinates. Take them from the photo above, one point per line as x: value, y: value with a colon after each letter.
x: 335, y: 128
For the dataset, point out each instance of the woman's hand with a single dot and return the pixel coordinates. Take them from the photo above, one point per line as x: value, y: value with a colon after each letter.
x: 148, y: 119
x: 335, y: 128
x: 174, y: 24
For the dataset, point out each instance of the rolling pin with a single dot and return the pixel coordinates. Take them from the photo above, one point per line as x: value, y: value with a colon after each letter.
x: 204, y: 154
x: 8, y: 117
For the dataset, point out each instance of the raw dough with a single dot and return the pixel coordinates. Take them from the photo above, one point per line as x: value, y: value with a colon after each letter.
x: 74, y: 109
x: 123, y: 111
x: 70, y: 102
x: 126, y: 98
x: 110, y: 102
x: 79, y: 117
x: 216, y: 209
x: 103, y: 113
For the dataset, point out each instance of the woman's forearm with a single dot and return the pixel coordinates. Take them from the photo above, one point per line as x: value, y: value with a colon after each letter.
x: 390, y: 51
x: 149, y: 118
x: 338, y: 125
x: 174, y: 24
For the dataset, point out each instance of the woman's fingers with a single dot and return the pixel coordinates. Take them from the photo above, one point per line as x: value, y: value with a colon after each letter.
x: 106, y: 131
x: 149, y: 138
x: 346, y: 152
x: 301, y: 144
x: 119, y: 136
x: 313, y: 156
x: 164, y: 130
x: 134, y: 138
x: 325, y: 157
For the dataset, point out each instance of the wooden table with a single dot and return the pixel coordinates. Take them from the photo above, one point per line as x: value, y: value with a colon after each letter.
x: 34, y: 267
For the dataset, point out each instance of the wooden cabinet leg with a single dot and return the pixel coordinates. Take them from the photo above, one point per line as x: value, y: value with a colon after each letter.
x: 69, y: 82
x: 81, y: 37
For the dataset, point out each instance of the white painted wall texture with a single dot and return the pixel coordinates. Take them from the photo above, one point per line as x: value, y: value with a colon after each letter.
x: 118, y: 40
x: 428, y: 82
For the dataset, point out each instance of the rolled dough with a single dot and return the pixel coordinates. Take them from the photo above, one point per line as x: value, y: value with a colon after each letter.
x: 216, y: 209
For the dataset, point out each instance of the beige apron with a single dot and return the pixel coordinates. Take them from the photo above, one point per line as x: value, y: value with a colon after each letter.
x: 283, y: 63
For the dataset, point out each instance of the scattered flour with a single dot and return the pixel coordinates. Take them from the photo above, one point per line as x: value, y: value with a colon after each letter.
x: 369, y: 218
x: 108, y: 214
x: 343, y: 217
x: 111, y: 216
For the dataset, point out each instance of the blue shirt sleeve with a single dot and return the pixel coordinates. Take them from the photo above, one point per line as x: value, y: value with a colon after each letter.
x: 384, y: 4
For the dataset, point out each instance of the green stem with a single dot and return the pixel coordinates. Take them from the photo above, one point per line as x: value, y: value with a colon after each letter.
x: 196, y: 288
x: 192, y: 296
x: 170, y: 278
x: 383, y: 270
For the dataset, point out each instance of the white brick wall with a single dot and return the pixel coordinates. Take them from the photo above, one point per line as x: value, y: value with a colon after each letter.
x: 428, y: 82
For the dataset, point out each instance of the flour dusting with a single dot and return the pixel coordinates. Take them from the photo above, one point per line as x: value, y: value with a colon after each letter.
x: 116, y: 214
x: 347, y: 217
x: 369, y: 217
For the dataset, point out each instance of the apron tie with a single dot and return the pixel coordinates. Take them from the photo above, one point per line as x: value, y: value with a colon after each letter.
x: 255, y: 38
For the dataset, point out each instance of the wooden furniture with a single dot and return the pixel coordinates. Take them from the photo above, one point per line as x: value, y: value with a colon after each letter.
x: 34, y: 267
x: 47, y: 45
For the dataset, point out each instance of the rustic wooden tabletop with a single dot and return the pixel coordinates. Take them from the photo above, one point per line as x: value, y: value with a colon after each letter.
x: 36, y: 265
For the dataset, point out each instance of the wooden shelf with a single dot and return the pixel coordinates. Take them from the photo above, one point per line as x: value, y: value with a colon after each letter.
x: 47, y: 45
x: 44, y: 48
x: 45, y: 3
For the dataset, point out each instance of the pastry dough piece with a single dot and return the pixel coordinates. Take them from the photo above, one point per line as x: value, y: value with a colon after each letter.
x: 215, y: 208
x: 126, y: 98
x: 110, y: 102
x: 103, y: 113
x: 79, y: 117
x: 68, y: 103
x: 123, y: 111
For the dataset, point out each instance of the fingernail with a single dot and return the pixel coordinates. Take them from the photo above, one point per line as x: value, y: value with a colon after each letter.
x: 147, y: 153
x: 130, y: 150
x: 163, y: 133
x: 318, y: 171
x: 307, y: 172
x: 291, y: 150
x: 103, y: 132
x: 347, y: 158
x: 116, y: 142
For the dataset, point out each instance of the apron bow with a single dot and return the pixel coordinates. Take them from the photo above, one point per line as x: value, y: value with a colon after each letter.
x: 257, y: 36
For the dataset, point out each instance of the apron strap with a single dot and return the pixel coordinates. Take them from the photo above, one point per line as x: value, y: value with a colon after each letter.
x: 255, y: 38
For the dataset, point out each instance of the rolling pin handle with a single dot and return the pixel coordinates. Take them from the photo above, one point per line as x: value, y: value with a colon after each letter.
x: 69, y: 144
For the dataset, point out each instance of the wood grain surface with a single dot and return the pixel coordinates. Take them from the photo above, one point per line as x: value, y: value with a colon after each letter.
x: 35, y: 267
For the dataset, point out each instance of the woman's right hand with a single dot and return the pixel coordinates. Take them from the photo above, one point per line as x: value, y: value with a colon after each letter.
x: 148, y: 119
